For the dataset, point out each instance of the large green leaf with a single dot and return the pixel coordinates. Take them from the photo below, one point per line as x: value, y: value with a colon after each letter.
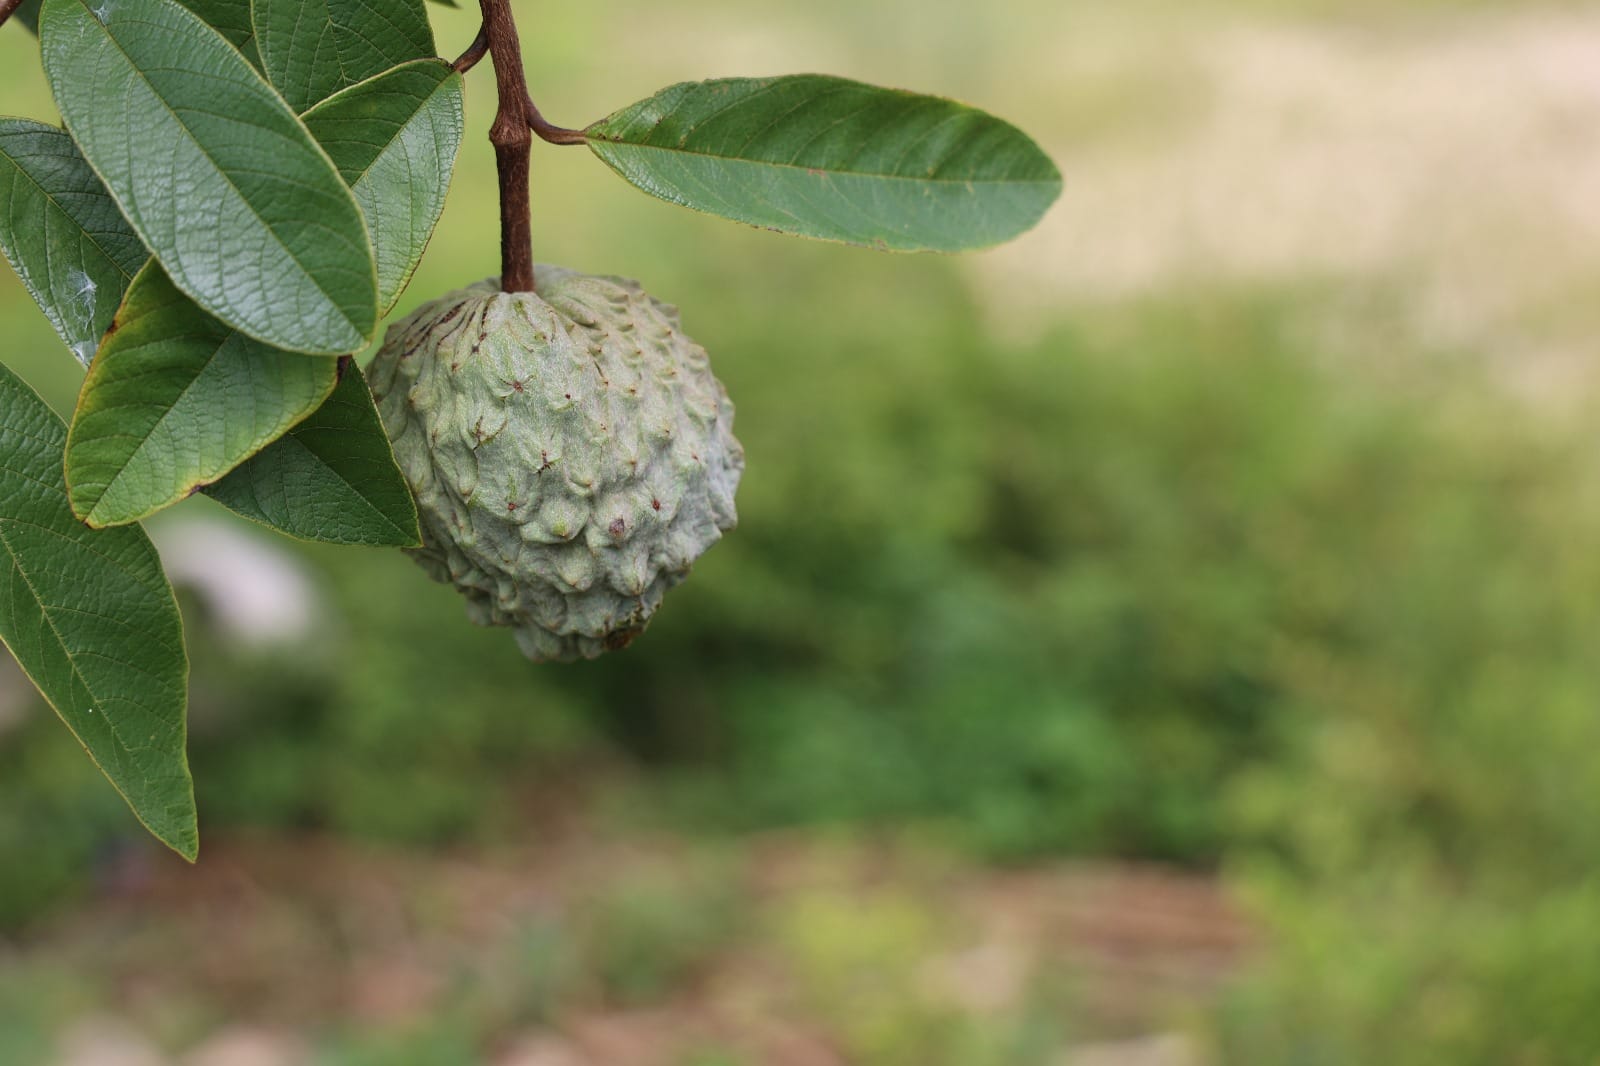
x: 231, y: 18
x: 310, y: 49
x: 331, y: 478
x: 394, y: 139
x: 174, y: 400
x: 833, y: 159
x: 213, y: 171
x: 92, y: 621
x: 63, y: 233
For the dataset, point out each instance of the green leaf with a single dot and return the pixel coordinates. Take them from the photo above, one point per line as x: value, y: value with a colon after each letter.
x: 310, y: 49
x: 394, y: 139
x: 231, y: 18
x: 332, y: 478
x: 824, y: 157
x: 63, y: 233
x: 214, y: 172
x: 174, y: 400
x: 92, y: 621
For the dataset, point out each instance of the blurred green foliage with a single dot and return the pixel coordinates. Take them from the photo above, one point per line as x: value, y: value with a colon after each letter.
x: 1426, y: 874
x: 1417, y: 970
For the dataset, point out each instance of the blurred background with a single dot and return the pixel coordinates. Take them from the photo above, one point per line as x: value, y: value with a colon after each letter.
x: 1167, y: 640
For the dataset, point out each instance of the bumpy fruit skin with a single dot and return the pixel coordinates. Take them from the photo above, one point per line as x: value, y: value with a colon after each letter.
x: 570, y: 452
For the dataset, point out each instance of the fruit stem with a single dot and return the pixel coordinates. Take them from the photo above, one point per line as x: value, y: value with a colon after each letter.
x: 512, y: 139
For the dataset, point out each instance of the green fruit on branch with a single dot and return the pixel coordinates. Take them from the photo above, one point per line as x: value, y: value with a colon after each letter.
x: 570, y: 452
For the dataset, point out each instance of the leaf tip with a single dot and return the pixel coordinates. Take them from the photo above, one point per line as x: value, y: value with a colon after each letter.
x: 182, y: 835
x: 91, y: 519
x: 81, y: 509
x: 188, y: 849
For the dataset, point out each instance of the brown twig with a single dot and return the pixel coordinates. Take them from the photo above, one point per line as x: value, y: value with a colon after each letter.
x: 475, y: 52
x: 512, y: 138
x: 515, y: 123
x: 8, y: 8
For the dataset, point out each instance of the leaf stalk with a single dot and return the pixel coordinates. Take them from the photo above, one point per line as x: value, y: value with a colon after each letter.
x: 549, y: 132
x: 474, y: 53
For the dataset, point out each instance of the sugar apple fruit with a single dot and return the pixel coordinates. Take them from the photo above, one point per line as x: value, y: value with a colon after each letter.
x: 570, y: 452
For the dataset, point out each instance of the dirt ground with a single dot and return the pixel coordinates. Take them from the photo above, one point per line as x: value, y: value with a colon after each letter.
x: 244, y: 960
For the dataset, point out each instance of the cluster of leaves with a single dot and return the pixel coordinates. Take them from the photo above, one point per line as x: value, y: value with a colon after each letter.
x: 241, y: 192
x: 230, y: 209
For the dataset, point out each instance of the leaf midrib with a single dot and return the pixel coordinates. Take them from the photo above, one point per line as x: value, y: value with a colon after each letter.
x: 48, y: 195
x: 830, y: 171
x: 353, y: 487
x: 162, y: 419
x: 227, y: 179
